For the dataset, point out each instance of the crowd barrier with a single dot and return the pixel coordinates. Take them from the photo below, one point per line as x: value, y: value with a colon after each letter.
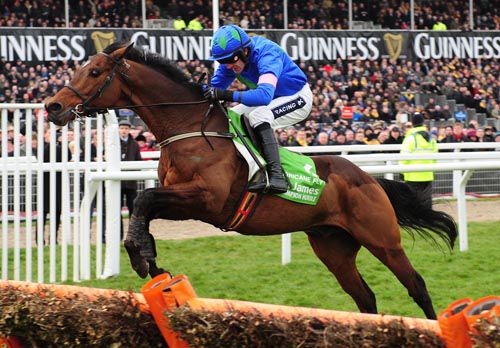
x: 22, y: 176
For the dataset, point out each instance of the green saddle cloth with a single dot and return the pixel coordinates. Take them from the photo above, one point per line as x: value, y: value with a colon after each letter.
x: 306, y: 186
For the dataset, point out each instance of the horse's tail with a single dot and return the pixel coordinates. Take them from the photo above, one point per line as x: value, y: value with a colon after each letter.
x: 413, y: 215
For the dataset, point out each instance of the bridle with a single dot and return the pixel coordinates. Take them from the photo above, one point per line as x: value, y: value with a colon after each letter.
x: 83, y: 108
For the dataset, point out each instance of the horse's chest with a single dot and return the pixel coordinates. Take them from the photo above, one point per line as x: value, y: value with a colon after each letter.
x: 172, y: 176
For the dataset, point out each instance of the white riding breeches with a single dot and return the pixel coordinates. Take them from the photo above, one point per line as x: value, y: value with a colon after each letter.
x: 280, y: 112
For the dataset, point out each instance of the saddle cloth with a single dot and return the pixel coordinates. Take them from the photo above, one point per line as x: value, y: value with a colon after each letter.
x: 300, y: 170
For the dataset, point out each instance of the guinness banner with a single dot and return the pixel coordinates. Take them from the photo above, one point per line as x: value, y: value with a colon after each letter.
x: 42, y: 45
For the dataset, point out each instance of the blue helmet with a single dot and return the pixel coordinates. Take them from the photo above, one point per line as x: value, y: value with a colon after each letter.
x: 227, y: 41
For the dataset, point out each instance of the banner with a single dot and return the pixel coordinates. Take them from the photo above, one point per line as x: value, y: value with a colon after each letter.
x: 44, y: 45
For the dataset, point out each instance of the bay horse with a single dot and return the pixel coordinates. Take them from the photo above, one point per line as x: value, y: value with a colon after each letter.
x: 203, y: 178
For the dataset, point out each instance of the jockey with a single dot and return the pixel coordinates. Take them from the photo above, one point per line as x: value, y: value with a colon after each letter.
x: 278, y: 94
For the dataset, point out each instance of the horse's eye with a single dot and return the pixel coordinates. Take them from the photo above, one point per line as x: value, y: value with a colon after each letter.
x: 95, y: 72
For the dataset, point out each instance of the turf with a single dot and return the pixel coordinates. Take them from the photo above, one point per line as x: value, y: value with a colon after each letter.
x: 249, y: 268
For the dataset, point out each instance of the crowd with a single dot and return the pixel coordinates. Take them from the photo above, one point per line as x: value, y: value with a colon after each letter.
x: 378, y: 92
x: 268, y: 14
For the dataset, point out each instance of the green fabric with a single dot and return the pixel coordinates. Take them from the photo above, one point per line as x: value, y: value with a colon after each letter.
x: 246, y: 82
x: 416, y: 143
x: 306, y: 186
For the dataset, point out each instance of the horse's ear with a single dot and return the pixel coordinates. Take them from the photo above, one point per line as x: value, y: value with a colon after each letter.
x: 129, y: 47
x: 122, y: 52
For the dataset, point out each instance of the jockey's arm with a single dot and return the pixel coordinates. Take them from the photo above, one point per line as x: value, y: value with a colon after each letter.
x: 222, y: 78
x: 270, y: 67
x: 262, y: 95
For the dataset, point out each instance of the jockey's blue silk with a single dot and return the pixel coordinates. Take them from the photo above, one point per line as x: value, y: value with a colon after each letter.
x: 265, y: 57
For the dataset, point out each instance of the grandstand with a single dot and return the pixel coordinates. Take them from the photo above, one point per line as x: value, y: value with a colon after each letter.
x: 384, y: 89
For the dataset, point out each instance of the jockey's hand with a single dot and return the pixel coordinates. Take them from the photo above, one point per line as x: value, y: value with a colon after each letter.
x: 213, y: 93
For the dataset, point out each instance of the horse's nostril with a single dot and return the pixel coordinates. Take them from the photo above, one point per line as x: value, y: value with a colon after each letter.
x: 54, y: 107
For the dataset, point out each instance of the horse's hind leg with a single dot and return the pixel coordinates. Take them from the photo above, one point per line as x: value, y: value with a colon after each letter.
x: 338, y: 251
x: 397, y: 261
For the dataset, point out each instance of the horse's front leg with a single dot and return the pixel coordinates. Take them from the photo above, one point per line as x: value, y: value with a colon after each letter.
x: 175, y: 202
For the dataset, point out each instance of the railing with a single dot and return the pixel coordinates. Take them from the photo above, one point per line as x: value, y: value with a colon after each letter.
x: 26, y: 173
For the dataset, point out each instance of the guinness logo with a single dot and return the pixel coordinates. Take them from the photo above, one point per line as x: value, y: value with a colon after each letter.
x: 102, y: 40
x: 393, y: 45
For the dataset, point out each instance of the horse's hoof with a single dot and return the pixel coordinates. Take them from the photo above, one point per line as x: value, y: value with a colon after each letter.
x: 138, y: 262
x: 154, y: 270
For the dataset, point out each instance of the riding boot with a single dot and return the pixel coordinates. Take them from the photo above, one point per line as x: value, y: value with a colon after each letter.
x: 277, y: 180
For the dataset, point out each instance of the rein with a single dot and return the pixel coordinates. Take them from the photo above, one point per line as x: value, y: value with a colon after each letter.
x: 82, y: 109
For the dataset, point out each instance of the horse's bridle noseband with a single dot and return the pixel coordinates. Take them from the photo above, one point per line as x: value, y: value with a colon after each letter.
x: 81, y: 109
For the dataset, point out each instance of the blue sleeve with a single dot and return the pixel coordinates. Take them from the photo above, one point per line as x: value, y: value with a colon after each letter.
x: 222, y: 78
x: 262, y: 95
x: 269, y: 61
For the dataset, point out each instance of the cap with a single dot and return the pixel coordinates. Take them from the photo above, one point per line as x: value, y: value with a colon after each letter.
x: 125, y: 123
x: 417, y: 119
x: 471, y: 133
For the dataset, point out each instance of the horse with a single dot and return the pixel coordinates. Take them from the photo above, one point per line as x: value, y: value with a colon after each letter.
x: 202, y: 177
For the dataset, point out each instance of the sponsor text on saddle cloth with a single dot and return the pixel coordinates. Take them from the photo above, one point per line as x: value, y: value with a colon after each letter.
x: 306, y: 186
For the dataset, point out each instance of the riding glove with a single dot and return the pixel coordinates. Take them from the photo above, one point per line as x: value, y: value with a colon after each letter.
x: 213, y: 93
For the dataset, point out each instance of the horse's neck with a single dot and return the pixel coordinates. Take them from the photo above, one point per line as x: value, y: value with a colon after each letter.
x: 167, y: 121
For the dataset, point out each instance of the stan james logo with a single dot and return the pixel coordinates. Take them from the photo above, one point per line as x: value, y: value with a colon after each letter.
x: 288, y: 107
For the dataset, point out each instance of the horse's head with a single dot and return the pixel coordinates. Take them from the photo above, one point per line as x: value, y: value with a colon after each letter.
x: 93, y: 87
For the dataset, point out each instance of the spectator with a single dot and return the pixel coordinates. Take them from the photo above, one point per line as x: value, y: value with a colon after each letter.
x: 445, y: 112
x: 457, y: 136
x: 283, y: 138
x: 395, y: 136
x: 179, y: 23
x: 322, y: 139
x: 48, y: 188
x: 359, y: 138
x: 419, y: 140
x: 195, y: 23
x: 472, y: 136
x: 341, y: 139
x: 488, y: 133
x: 300, y: 139
x: 497, y: 138
x: 130, y: 152
x: 439, y: 25
x: 480, y: 135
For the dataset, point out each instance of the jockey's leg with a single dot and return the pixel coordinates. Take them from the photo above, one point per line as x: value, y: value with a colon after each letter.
x: 281, y: 112
x: 277, y: 180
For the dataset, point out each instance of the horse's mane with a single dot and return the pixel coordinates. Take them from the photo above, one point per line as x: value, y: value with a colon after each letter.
x: 155, y: 61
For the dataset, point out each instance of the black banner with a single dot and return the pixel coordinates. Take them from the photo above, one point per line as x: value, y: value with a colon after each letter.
x: 43, y: 45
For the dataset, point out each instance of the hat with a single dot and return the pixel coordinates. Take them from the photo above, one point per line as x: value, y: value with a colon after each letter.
x: 140, y: 137
x: 125, y: 123
x: 417, y: 119
x: 395, y: 129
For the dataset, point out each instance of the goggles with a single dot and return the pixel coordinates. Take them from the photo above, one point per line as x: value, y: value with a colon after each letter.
x: 229, y: 60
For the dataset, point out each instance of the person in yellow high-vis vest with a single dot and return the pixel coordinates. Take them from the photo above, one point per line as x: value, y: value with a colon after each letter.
x: 419, y: 140
x: 179, y: 23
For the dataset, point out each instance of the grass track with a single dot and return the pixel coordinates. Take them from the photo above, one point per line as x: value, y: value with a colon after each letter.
x: 248, y: 268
